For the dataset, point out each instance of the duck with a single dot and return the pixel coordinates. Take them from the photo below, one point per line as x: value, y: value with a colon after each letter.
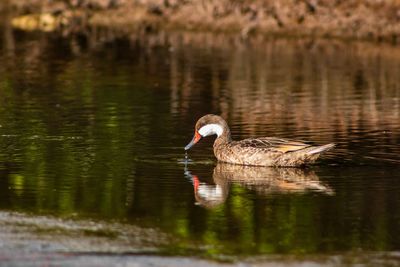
x: 262, y: 151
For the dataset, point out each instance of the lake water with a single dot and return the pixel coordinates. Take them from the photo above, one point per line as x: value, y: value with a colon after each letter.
x: 92, y: 128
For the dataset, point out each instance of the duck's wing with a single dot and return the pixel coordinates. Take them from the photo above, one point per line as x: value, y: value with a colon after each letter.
x: 272, y: 144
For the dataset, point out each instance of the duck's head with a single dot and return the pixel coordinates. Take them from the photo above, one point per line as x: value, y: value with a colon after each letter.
x: 208, y: 125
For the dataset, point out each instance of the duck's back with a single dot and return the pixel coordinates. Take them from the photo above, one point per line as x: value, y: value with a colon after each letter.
x: 269, y: 151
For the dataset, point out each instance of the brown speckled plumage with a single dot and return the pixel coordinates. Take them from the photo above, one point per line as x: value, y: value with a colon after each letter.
x: 264, y: 151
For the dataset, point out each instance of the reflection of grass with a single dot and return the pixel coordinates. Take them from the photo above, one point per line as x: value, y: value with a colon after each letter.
x: 118, y: 172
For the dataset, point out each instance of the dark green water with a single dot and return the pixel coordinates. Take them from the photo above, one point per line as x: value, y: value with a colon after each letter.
x: 97, y: 130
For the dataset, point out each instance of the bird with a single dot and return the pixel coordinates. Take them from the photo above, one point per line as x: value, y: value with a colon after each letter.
x: 262, y: 151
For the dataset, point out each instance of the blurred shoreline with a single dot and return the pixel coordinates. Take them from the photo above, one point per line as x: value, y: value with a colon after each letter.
x: 77, y: 242
x: 376, y: 20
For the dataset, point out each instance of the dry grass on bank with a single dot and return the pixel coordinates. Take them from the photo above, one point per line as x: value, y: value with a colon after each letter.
x: 368, y: 19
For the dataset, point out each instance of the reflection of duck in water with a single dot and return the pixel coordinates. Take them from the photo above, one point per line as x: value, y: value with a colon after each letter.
x: 264, y: 151
x: 263, y: 180
x: 210, y: 195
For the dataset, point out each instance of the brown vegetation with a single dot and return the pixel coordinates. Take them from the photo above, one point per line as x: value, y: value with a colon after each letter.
x: 369, y: 19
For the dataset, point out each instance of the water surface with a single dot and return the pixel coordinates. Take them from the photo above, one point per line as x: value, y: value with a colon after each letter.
x: 96, y: 130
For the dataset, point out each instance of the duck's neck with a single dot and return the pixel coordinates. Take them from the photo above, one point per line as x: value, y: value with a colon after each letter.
x: 224, y: 138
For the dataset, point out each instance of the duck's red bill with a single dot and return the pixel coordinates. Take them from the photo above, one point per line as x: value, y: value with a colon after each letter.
x: 196, y: 138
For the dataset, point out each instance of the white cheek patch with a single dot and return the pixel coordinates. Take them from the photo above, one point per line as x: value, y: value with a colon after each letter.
x: 210, y: 129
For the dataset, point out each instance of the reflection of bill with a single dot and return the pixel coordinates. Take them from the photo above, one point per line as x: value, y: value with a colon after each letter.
x: 263, y: 180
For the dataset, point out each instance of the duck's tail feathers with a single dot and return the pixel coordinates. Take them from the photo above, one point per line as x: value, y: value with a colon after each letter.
x: 320, y: 149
